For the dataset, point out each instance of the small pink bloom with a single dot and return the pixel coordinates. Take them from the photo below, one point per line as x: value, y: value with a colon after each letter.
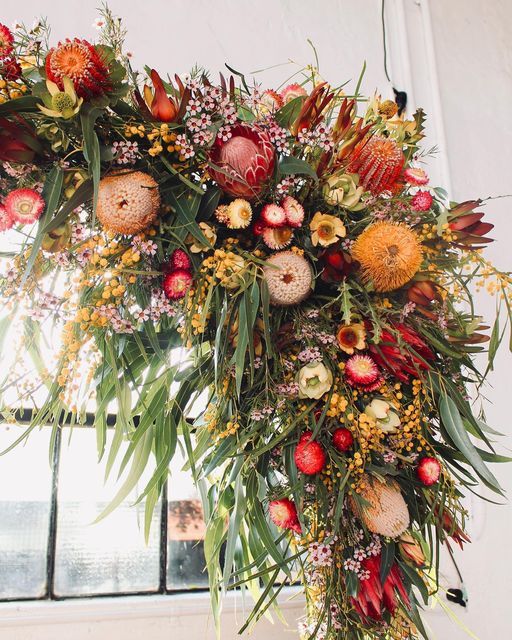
x: 24, y: 205
x: 416, y: 176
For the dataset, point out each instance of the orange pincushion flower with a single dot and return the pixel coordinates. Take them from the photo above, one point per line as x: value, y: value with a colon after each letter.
x: 128, y: 202
x: 378, y: 161
x: 389, y: 254
x: 80, y: 61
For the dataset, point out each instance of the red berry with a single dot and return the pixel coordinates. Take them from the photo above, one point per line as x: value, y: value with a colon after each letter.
x: 428, y: 471
x: 283, y: 514
x: 177, y: 283
x: 179, y: 260
x: 342, y: 439
x: 309, y: 456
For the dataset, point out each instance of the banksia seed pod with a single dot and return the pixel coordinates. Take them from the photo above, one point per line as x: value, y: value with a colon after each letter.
x: 128, y: 202
x: 378, y: 161
x: 387, y: 513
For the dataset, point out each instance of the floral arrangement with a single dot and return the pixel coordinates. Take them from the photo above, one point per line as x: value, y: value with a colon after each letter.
x: 278, y: 259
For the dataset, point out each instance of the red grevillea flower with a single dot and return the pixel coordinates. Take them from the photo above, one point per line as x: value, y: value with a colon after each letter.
x: 362, y: 371
x: 18, y: 141
x: 373, y: 596
x: 243, y: 164
x: 82, y: 63
x: 24, y: 205
x: 162, y: 108
x: 6, y: 221
x: 402, y: 352
x: 10, y: 69
x: 177, y: 283
x: 6, y: 42
x: 309, y: 455
x: 422, y: 201
x: 378, y: 161
x: 283, y: 514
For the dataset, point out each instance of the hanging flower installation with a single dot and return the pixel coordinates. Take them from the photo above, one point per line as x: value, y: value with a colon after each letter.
x: 289, y: 244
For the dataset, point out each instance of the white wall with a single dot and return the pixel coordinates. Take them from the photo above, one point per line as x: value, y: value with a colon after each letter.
x: 455, y: 59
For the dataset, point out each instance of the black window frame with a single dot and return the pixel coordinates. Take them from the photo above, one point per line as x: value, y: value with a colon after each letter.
x: 24, y: 416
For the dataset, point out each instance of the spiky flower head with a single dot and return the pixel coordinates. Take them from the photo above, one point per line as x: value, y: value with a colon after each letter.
x: 378, y: 161
x: 82, y: 63
x: 387, y: 513
x: 128, y: 202
x: 288, y: 277
x: 389, y: 254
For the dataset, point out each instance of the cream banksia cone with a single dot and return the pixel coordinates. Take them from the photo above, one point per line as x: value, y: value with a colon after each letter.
x: 386, y: 513
x: 128, y: 202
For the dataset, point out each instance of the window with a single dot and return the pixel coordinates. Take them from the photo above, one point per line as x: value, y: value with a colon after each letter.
x: 52, y: 549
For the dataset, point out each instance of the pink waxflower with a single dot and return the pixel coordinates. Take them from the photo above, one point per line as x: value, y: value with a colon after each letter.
x: 242, y: 165
x: 422, y: 201
x: 24, y: 205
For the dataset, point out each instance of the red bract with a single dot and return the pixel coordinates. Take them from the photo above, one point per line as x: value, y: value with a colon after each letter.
x: 243, y: 164
x: 162, y: 108
x: 82, y: 63
x: 402, y: 352
x: 467, y: 227
x: 283, y: 514
x: 313, y: 109
x: 373, y: 596
x: 18, y: 142
x: 450, y: 526
x: 336, y: 264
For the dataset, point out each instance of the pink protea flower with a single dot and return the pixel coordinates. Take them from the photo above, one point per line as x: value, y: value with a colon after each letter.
x: 416, y: 176
x: 273, y: 216
x: 422, y: 201
x: 6, y: 42
x: 291, y: 92
x: 294, y: 212
x: 283, y: 514
x: 6, y: 221
x: 177, y: 283
x: 24, y: 206
x: 362, y: 371
x: 243, y: 164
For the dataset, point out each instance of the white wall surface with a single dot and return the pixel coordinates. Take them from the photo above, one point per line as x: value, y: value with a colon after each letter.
x: 455, y: 59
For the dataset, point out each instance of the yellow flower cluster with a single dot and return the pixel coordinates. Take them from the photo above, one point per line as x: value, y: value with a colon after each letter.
x: 9, y: 90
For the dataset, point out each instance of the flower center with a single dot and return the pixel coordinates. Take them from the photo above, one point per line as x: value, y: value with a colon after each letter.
x: 62, y: 101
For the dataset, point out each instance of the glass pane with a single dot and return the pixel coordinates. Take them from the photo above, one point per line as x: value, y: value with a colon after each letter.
x: 186, y: 529
x: 25, y: 490
x: 110, y: 556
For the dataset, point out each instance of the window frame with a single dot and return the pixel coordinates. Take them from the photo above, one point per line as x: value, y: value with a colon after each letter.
x: 23, y: 416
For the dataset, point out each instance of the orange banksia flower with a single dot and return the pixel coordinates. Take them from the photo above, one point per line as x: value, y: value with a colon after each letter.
x: 378, y: 161
x: 389, y: 254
